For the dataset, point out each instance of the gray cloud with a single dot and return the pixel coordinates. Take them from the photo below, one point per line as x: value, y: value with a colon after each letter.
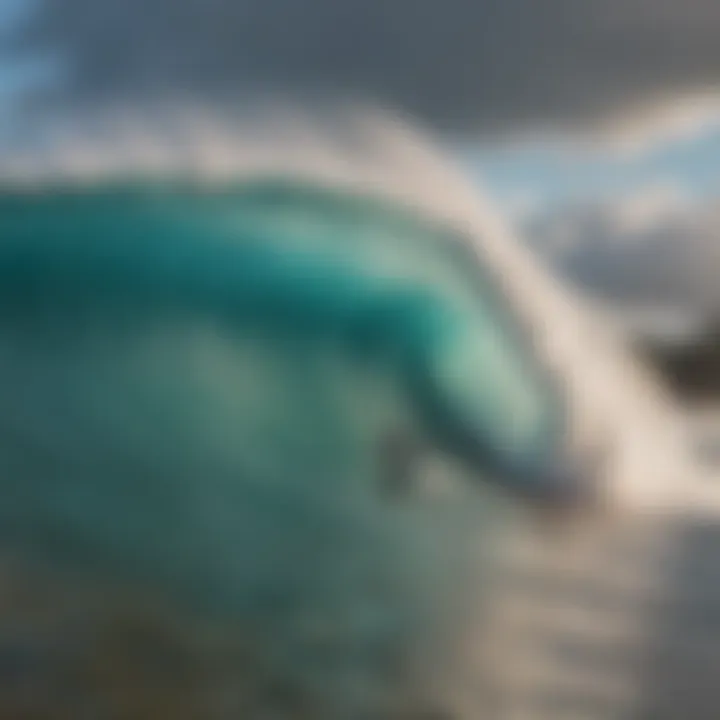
x: 671, y: 258
x: 458, y: 64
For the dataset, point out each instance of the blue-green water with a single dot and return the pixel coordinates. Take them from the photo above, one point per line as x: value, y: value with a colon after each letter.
x: 197, y: 385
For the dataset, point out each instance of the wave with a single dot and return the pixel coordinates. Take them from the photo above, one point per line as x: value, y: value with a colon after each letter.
x: 198, y: 381
x: 368, y: 152
x: 210, y: 326
x: 296, y: 263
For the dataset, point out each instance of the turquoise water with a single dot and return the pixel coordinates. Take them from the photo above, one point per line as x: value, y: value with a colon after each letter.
x: 197, y: 385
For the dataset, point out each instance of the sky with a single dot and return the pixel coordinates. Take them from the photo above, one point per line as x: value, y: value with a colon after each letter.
x: 538, y: 175
x: 595, y: 125
x: 10, y: 11
x: 639, y: 229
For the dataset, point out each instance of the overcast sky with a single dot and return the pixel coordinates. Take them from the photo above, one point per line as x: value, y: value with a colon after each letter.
x: 460, y: 64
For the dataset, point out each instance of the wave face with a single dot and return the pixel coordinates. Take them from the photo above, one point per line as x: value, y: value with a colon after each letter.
x: 199, y: 383
x: 274, y: 281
